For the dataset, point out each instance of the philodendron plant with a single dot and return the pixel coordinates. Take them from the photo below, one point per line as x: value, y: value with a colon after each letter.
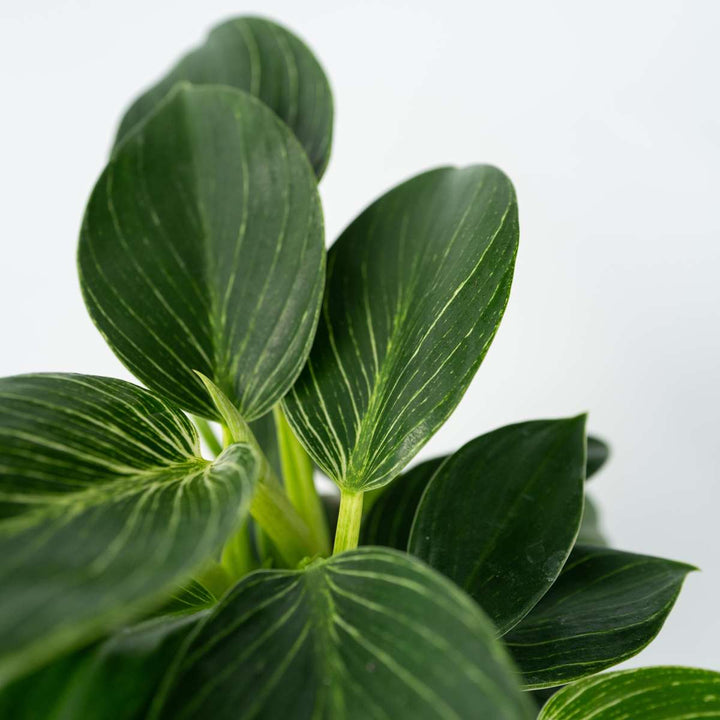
x: 145, y: 576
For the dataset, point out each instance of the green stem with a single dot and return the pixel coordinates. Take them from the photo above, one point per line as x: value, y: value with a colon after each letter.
x: 297, y: 470
x: 273, y: 511
x: 238, y: 558
x: 207, y: 434
x: 348, y: 527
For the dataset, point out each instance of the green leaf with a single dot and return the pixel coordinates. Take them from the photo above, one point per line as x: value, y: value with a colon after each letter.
x: 590, y: 532
x: 263, y: 59
x: 416, y: 288
x: 389, y: 520
x: 368, y: 633
x: 114, y: 679
x: 598, y: 453
x: 605, y: 607
x: 105, y: 509
x: 654, y: 693
x: 202, y: 250
x: 500, y: 516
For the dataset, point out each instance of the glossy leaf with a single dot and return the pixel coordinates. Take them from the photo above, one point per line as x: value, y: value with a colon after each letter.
x: 598, y: 453
x: 114, y: 679
x: 389, y: 520
x: 369, y: 633
x: 106, y: 508
x: 266, y: 60
x: 500, y: 516
x: 416, y: 288
x: 202, y: 250
x: 654, y: 693
x: 605, y: 607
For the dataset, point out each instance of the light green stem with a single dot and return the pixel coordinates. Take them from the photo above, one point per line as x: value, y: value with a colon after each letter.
x: 275, y: 514
x: 297, y: 470
x: 237, y: 555
x: 207, y: 434
x: 348, y: 527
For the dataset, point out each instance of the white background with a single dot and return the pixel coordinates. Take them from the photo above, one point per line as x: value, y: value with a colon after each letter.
x: 606, y: 117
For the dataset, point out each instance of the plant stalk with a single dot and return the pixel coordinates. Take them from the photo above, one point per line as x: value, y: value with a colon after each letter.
x: 297, y: 470
x: 348, y: 527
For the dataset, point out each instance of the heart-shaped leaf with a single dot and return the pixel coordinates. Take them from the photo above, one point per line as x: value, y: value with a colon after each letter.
x: 266, y: 60
x: 654, y: 693
x: 202, y: 250
x: 369, y: 633
x: 105, y: 507
x: 605, y: 607
x: 114, y: 679
x: 500, y: 516
x: 390, y: 519
x: 416, y: 288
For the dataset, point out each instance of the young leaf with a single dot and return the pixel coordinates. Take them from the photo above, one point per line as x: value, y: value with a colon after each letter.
x: 389, y: 520
x: 115, y: 679
x: 416, y: 288
x: 202, y: 250
x: 605, y: 607
x: 500, y: 516
x: 654, y: 693
x: 266, y: 60
x: 105, y: 508
x: 369, y: 633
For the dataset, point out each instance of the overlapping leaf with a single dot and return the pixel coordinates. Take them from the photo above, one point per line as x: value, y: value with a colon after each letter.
x: 605, y: 607
x: 389, y: 520
x: 105, y: 507
x: 654, y: 693
x: 369, y: 633
x: 500, y: 516
x: 202, y: 250
x: 266, y: 60
x: 115, y: 679
x: 598, y: 453
x: 416, y: 288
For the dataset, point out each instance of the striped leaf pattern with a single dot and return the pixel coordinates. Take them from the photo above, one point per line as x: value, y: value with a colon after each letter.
x: 605, y: 607
x: 114, y: 679
x: 202, y: 250
x: 500, y: 516
x: 367, y: 634
x: 653, y: 693
x: 105, y: 509
x: 416, y: 288
x: 266, y: 60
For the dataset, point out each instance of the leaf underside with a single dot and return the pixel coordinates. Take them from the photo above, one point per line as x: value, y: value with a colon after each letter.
x: 416, y: 288
x: 366, y: 634
x: 202, y: 250
x: 105, y: 508
x: 266, y: 60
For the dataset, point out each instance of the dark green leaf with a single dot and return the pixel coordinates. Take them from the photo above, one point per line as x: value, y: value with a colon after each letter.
x: 389, y: 520
x: 655, y: 693
x: 416, y: 288
x: 114, y: 679
x: 590, y: 532
x: 598, y: 453
x: 265, y: 60
x: 202, y: 250
x: 605, y: 607
x: 105, y: 506
x: 365, y: 634
x: 500, y: 516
